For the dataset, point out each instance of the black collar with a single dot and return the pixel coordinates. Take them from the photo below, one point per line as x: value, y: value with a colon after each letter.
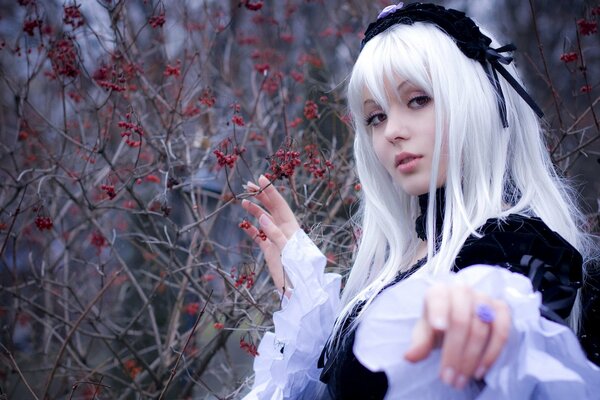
x: 421, y: 221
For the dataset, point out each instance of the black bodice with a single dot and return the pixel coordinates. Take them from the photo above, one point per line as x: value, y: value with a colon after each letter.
x: 521, y: 244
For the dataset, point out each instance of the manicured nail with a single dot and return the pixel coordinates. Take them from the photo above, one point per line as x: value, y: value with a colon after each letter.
x: 439, y: 323
x: 480, y: 372
x: 448, y: 376
x: 265, y: 222
x: 461, y: 381
x: 252, y: 186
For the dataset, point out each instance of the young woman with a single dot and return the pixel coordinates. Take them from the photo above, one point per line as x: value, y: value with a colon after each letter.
x: 471, y: 251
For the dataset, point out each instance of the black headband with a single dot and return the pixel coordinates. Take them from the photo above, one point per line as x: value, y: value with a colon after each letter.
x: 468, y: 38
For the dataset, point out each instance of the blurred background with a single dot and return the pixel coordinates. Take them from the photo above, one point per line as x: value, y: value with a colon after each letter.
x: 127, y: 132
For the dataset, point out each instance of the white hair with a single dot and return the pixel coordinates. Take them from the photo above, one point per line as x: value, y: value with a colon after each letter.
x: 492, y: 171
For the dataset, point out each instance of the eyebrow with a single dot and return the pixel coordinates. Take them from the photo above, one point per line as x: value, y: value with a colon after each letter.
x: 398, y: 88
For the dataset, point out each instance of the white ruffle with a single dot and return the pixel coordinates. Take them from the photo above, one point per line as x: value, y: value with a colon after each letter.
x: 541, y: 360
x: 286, y: 367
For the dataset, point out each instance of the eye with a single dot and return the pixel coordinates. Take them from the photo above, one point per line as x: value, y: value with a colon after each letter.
x: 375, y: 119
x: 419, y: 102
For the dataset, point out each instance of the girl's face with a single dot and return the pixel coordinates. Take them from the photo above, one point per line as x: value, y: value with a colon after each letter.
x: 403, y: 137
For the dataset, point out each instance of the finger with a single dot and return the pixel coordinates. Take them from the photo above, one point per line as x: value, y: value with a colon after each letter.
x: 432, y: 323
x: 273, y: 232
x: 460, y: 314
x: 500, y: 330
x: 254, y: 209
x: 272, y: 256
x: 423, y: 341
x: 437, y: 304
x: 477, y: 341
x: 258, y: 236
x: 274, y: 202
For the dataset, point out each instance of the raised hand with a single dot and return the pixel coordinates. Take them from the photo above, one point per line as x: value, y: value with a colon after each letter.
x: 277, y: 225
x: 470, y: 327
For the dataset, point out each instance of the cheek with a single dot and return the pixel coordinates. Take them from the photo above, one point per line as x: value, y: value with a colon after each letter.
x: 378, y: 149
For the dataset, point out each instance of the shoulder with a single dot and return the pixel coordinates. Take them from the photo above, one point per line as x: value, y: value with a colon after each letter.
x: 506, y: 241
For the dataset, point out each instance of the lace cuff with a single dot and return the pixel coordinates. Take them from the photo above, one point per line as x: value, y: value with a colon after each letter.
x: 286, y: 367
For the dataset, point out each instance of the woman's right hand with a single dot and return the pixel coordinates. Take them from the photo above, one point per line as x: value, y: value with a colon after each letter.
x: 278, y: 223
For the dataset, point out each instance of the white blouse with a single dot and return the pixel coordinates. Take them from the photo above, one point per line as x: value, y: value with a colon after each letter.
x: 541, y: 359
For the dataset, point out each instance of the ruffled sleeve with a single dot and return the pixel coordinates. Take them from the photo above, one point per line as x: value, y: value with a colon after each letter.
x: 286, y: 367
x: 541, y: 360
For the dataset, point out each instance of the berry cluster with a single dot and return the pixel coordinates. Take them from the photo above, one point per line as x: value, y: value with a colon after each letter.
x: 244, y: 224
x: 568, y: 57
x: 173, y: 70
x: 130, y: 128
x: 262, y: 235
x: 73, y: 16
x: 43, y: 223
x: 283, y: 163
x: 243, y: 279
x: 98, y: 240
x: 311, y: 110
x: 109, y: 190
x: 249, y: 348
x: 63, y: 56
x: 157, y: 21
x: 586, y: 27
x: 238, y: 120
x: 192, y: 309
x: 116, y: 75
x: 314, y: 165
x: 207, y: 98
x: 218, y: 325
x: 253, y: 5
x: 30, y: 25
x: 224, y: 158
x: 132, y: 368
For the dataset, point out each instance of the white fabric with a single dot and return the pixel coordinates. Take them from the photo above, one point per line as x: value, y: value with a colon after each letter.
x: 302, y: 327
x: 542, y: 359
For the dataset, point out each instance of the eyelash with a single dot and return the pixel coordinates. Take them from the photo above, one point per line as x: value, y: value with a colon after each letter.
x: 369, y: 120
x: 412, y: 103
x: 424, y: 97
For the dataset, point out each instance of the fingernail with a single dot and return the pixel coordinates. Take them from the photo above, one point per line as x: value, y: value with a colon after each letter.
x: 480, y: 372
x: 252, y: 186
x: 461, y: 381
x: 439, y: 323
x: 264, y: 221
x: 448, y: 376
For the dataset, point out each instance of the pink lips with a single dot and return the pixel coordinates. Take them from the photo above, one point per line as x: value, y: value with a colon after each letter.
x: 407, y: 162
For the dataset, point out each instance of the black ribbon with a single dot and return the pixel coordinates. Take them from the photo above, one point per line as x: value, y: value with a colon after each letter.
x: 469, y: 39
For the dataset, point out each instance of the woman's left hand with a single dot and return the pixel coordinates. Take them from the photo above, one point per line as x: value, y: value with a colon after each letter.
x: 470, y: 327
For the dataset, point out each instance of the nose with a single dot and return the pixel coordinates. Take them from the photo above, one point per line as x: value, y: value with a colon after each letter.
x: 395, y: 126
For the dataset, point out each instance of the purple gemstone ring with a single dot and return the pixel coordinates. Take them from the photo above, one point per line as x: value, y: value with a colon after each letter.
x: 485, y: 313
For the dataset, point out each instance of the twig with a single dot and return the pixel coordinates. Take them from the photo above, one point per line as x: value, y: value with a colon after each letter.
x: 14, y: 362
x: 546, y: 71
x: 74, y: 329
x: 174, y: 370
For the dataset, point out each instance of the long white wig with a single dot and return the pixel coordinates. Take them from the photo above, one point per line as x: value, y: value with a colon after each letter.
x: 492, y: 171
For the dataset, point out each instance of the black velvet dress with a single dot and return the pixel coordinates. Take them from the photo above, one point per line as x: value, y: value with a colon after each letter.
x: 521, y: 244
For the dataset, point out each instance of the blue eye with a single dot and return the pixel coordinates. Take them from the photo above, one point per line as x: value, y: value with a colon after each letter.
x: 375, y: 119
x: 419, y: 101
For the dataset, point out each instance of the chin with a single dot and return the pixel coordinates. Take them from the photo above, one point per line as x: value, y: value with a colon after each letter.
x: 414, y: 190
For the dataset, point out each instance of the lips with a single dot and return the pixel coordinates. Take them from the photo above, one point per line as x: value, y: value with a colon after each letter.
x: 406, y: 158
x: 407, y: 163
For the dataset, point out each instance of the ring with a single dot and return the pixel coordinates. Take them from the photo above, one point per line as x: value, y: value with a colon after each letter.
x: 485, y: 313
